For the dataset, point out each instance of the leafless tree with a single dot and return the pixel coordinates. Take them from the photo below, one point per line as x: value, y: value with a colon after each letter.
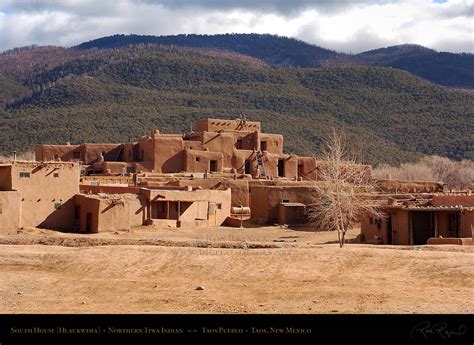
x: 344, y: 191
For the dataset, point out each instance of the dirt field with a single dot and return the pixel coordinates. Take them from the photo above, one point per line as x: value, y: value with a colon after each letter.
x: 264, y: 270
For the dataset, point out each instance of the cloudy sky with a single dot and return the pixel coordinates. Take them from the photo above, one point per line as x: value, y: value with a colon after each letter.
x: 344, y: 25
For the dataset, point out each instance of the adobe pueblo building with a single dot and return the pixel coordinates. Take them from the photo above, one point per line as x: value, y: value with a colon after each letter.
x: 219, y: 174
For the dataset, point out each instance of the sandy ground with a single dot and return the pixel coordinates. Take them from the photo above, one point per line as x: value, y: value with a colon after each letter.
x: 261, y: 270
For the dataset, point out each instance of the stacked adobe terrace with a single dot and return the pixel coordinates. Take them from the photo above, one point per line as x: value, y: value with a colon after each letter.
x: 207, y: 177
x: 216, y: 146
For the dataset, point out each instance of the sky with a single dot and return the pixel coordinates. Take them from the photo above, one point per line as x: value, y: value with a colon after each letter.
x: 350, y: 26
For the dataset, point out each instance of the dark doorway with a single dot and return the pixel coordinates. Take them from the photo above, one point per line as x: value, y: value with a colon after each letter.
x: 263, y: 146
x: 213, y: 165
x: 453, y: 225
x: 238, y: 144
x: 247, y: 167
x: 389, y: 229
x: 281, y: 168
x: 421, y: 227
x: 89, y: 223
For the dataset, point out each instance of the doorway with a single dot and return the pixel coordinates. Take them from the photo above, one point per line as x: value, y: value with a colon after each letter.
x: 281, y: 168
x: 89, y: 228
x: 421, y: 227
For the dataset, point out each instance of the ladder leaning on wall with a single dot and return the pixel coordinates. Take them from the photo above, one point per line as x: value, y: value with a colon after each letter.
x: 262, y: 172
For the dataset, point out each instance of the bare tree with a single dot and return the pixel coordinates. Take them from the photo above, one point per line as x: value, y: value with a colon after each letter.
x: 344, y: 190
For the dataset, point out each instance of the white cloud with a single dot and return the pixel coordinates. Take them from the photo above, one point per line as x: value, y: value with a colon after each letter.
x: 341, y: 25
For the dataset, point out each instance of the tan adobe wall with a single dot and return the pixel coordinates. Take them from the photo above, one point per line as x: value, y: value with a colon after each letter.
x: 200, y: 161
x: 47, y: 193
x: 467, y: 223
x: 90, y: 153
x: 453, y: 200
x: 239, y: 188
x: 44, y: 153
x: 214, y: 125
x: 272, y: 143
x: 290, y: 165
x: 110, y: 213
x: 220, y: 142
x: 193, y: 145
x: 86, y: 205
x: 401, y: 186
x: 265, y: 200
x: 168, y: 153
x: 10, y: 210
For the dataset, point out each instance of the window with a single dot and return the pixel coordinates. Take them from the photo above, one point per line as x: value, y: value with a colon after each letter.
x: 57, y: 205
x: 76, y: 155
x: 56, y: 156
x: 25, y: 174
x: 219, y: 206
x: 56, y: 175
x: 263, y: 146
x: 198, y: 159
x: 213, y: 165
x: 238, y: 144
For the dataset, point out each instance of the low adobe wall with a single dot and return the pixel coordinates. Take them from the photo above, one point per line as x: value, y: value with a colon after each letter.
x: 458, y: 241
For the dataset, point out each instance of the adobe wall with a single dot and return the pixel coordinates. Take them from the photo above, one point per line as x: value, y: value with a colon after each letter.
x: 129, y: 212
x: 274, y: 142
x: 214, y: 125
x: 239, y: 188
x: 240, y: 157
x: 44, y: 153
x: 269, y: 197
x: 193, y: 145
x: 220, y: 142
x: 222, y: 197
x: 290, y: 165
x: 145, y: 149
x: 48, y: 185
x: 87, y: 205
x: 401, y: 186
x: 307, y: 168
x: 467, y: 223
x: 108, y: 189
x: 453, y: 200
x: 374, y: 232
x: 199, y: 161
x: 10, y: 210
x: 90, y: 153
x: 168, y: 153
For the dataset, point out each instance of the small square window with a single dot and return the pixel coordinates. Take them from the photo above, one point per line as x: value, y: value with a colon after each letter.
x: 197, y: 159
x: 219, y: 206
x: 25, y: 174
x: 56, y: 175
x: 58, y: 205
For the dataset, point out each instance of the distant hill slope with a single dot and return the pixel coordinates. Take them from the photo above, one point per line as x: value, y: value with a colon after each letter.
x: 455, y: 70
x: 439, y: 67
x: 113, y: 95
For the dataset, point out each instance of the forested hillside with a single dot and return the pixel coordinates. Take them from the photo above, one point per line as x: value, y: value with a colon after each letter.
x: 455, y: 70
x: 113, y: 95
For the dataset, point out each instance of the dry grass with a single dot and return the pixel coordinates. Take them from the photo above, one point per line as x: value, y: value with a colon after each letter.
x: 311, y: 277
